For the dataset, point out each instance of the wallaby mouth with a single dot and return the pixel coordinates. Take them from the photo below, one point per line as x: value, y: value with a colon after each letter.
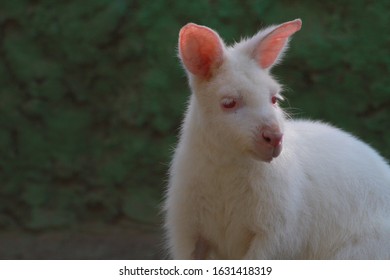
x: 266, y: 153
x: 277, y: 151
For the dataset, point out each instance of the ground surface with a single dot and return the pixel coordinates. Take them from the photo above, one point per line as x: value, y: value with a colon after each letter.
x: 88, y: 242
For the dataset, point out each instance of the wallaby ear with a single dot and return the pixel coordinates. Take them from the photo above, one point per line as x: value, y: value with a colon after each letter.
x: 200, y: 49
x: 271, y: 47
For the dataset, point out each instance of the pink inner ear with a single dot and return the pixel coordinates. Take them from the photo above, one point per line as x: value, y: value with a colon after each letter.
x: 200, y: 49
x: 273, y: 44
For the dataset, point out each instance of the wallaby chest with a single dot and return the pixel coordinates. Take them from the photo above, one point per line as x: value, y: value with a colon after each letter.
x: 223, y: 210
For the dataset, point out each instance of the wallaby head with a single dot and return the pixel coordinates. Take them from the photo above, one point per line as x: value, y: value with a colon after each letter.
x: 235, y: 98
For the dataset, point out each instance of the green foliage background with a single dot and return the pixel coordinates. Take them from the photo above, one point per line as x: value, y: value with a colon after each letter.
x: 92, y: 94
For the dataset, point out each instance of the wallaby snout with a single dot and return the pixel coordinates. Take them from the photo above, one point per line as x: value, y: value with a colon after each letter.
x: 268, y: 144
x: 272, y: 137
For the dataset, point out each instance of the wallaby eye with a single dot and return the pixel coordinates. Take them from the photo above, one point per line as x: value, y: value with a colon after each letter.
x: 275, y: 98
x: 229, y: 103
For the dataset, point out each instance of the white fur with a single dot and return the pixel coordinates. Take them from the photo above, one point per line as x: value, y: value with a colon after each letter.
x: 326, y: 196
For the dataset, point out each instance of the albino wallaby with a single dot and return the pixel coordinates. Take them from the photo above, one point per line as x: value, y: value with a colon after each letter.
x: 234, y: 193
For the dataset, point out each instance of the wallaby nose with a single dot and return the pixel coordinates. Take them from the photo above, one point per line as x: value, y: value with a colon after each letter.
x: 273, y: 138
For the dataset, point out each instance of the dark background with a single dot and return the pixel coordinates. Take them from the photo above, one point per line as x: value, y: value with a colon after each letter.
x: 92, y: 95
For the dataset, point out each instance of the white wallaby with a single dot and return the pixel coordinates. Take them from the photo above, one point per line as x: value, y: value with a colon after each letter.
x: 234, y: 193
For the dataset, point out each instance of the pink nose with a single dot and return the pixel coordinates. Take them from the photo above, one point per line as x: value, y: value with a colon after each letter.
x: 272, y: 137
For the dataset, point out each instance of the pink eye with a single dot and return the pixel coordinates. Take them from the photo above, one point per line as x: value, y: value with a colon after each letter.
x: 274, y: 99
x: 229, y: 103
